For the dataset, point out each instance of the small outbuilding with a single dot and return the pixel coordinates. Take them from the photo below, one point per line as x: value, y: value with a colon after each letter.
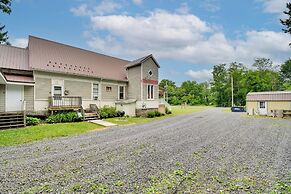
x: 266, y: 103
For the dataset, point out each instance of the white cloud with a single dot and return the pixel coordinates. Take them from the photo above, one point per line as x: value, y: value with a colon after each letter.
x: 183, y: 37
x: 274, y: 6
x: 211, y: 5
x: 137, y: 2
x: 20, y: 42
x: 82, y: 10
x: 183, y: 9
x: 105, y: 7
x: 160, y: 28
x: 201, y: 75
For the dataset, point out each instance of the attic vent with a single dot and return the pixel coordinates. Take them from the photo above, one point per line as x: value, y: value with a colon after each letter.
x: 150, y: 72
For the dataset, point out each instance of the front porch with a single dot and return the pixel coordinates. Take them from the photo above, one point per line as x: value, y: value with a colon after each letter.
x: 58, y: 103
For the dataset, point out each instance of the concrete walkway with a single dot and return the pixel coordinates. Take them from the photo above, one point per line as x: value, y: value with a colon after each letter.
x: 103, y: 123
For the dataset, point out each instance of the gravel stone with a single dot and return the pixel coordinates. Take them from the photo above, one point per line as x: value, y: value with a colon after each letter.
x: 123, y: 158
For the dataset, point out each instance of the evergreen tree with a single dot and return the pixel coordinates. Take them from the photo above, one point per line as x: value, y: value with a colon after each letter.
x: 5, y: 7
x: 287, y: 22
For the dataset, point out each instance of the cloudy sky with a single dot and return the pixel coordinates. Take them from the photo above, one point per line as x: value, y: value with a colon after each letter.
x: 186, y: 37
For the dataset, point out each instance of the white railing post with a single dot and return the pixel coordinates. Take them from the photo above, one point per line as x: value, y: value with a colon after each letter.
x: 24, y: 113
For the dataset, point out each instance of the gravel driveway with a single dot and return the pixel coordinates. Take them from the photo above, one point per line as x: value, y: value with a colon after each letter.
x: 207, y: 151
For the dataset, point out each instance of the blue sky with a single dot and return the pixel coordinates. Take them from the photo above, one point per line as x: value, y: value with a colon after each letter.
x: 187, y: 37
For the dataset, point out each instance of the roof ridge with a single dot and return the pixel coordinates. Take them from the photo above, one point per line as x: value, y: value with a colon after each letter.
x: 284, y: 91
x: 55, y: 42
x: 13, y: 46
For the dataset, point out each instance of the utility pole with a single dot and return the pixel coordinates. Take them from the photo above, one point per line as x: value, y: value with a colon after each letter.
x: 232, y: 102
x: 167, y: 95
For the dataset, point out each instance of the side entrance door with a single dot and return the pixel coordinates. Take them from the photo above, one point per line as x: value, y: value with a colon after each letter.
x: 14, y: 97
x: 262, y: 106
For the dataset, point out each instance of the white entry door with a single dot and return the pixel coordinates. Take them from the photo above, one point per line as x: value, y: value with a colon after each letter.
x: 262, y: 106
x: 14, y: 97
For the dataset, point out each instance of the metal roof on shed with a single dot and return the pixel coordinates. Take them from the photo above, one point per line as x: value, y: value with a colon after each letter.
x: 269, y: 96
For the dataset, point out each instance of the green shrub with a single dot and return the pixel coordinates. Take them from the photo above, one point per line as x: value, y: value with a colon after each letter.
x: 157, y: 113
x: 107, y: 112
x: 168, y: 111
x: 151, y: 114
x: 63, y: 117
x: 32, y: 121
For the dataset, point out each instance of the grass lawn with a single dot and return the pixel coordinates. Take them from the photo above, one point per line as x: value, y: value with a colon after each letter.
x: 176, y: 110
x: 34, y: 133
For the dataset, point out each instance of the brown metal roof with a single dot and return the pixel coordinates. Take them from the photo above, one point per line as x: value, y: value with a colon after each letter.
x: 13, y: 58
x: 269, y: 96
x: 19, y: 78
x: 56, y: 57
x: 140, y: 61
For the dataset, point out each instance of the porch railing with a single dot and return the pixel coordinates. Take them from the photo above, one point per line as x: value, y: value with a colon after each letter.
x: 65, y: 102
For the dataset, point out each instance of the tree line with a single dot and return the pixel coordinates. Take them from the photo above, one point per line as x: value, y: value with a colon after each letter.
x: 263, y: 75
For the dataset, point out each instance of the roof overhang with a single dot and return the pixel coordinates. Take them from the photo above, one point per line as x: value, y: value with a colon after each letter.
x: 269, y: 96
x: 16, y: 79
x: 81, y: 75
x: 142, y: 60
x: 2, y: 79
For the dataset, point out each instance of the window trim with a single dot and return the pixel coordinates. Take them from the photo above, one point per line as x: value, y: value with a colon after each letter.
x: 108, y: 87
x: 119, y: 92
x: 151, y: 75
x: 263, y: 103
x: 98, y: 93
x: 152, y: 96
x: 53, y: 89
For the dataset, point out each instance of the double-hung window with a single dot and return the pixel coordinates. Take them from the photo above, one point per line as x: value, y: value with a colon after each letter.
x: 121, y: 92
x: 150, y: 92
x: 95, y: 91
x: 57, y: 91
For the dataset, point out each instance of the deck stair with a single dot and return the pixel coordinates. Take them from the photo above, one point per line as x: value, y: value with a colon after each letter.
x: 90, y: 116
x: 11, y: 120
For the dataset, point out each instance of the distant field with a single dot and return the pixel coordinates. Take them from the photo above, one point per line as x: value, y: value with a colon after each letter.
x: 176, y: 110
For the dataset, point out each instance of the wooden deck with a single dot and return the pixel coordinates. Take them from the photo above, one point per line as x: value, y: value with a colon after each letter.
x: 57, y: 103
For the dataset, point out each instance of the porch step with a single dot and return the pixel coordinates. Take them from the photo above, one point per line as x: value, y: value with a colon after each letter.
x: 11, y: 126
x: 11, y: 119
x: 90, y: 116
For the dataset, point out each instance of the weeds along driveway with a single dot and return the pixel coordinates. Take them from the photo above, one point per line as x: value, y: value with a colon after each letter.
x: 208, y: 151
